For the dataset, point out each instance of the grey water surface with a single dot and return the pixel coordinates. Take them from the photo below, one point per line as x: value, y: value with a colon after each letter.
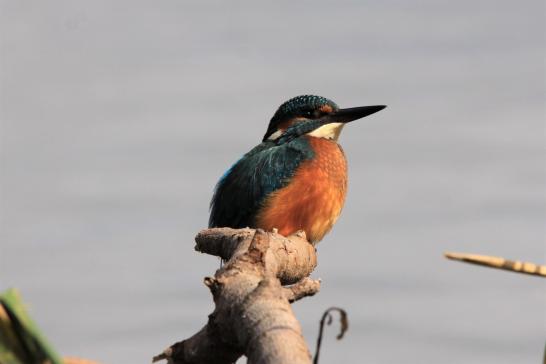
x: 117, y: 118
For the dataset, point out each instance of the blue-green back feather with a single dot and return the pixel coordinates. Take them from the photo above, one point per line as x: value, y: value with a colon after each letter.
x: 242, y: 190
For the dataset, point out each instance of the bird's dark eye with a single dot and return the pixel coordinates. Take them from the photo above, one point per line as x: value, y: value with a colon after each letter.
x: 313, y: 114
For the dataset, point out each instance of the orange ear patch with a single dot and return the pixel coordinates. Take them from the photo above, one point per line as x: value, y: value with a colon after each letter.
x: 326, y: 109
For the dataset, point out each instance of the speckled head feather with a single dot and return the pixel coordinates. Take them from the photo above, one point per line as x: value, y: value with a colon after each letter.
x: 299, y: 106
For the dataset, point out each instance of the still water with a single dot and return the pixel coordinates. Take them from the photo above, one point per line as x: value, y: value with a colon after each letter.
x: 117, y: 120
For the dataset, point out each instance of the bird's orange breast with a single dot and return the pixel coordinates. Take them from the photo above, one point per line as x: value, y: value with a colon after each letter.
x: 313, y: 199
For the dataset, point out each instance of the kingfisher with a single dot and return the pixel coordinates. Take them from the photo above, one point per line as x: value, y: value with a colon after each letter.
x: 296, y: 178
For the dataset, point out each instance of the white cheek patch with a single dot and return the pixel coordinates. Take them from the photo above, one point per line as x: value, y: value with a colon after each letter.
x: 275, y: 135
x: 328, y: 131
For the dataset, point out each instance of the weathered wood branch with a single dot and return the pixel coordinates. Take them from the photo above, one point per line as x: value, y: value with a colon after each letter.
x: 252, y: 314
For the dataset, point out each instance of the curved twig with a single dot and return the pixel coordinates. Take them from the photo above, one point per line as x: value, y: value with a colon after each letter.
x: 327, y: 317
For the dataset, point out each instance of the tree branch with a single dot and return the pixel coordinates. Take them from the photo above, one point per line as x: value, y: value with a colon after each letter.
x: 252, y: 314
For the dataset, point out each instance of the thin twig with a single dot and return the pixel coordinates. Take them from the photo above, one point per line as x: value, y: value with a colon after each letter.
x: 499, y: 263
x: 327, y: 317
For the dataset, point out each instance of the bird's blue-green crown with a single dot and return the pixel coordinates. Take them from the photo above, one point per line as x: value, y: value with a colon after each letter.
x: 300, y: 106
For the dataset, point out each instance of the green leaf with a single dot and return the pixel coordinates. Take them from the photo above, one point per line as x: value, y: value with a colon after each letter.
x: 21, y: 342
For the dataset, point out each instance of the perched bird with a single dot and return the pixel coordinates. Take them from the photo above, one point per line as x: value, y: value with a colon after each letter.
x: 296, y: 179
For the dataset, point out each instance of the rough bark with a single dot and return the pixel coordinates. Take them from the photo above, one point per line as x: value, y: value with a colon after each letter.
x: 252, y: 315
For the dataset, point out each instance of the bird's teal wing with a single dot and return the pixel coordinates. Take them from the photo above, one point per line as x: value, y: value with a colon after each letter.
x: 243, y: 188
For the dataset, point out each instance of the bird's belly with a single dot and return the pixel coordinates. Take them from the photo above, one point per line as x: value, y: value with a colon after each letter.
x: 313, y: 199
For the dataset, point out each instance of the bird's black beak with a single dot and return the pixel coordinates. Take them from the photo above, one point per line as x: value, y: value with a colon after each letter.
x: 353, y: 113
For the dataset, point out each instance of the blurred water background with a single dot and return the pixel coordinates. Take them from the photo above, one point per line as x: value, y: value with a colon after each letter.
x: 117, y: 118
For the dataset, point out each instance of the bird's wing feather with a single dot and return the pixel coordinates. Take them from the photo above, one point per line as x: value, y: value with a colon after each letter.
x: 243, y: 188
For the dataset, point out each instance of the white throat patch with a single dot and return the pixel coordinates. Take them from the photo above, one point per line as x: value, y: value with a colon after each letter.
x: 328, y: 131
x: 275, y: 135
